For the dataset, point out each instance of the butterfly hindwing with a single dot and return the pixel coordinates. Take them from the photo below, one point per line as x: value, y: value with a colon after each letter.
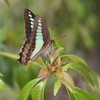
x: 37, y: 35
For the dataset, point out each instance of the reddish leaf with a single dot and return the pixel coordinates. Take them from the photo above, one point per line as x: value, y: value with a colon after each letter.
x: 43, y: 72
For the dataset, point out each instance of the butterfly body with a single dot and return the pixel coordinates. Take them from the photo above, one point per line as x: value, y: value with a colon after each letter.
x: 37, y: 35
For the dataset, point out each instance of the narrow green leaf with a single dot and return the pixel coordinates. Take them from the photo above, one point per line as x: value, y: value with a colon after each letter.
x: 74, y: 58
x: 2, y: 85
x: 38, y: 65
x: 79, y: 94
x: 37, y: 92
x: 10, y: 55
x: 57, y: 86
x: 14, y: 56
x: 25, y: 92
x: 33, y: 63
x: 83, y: 70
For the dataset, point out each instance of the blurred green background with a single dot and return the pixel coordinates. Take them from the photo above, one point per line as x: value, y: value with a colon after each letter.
x: 79, y: 19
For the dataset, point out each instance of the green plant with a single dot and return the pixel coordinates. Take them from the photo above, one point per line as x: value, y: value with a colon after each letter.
x: 58, y: 64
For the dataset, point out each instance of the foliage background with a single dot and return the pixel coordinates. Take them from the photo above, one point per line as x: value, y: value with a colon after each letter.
x: 79, y: 19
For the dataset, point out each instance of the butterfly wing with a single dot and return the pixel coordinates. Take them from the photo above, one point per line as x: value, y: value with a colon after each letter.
x: 37, y: 35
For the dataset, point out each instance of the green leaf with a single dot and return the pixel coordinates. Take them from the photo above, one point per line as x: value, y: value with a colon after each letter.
x: 65, y: 78
x: 73, y: 58
x: 95, y: 91
x: 71, y: 96
x: 83, y: 70
x: 10, y: 55
x: 37, y: 92
x: 28, y: 65
x: 37, y: 63
x: 2, y: 85
x: 33, y: 63
x: 79, y: 94
x: 25, y: 92
x: 57, y: 86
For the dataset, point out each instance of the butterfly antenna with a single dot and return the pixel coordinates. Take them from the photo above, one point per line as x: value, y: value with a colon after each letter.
x: 60, y: 37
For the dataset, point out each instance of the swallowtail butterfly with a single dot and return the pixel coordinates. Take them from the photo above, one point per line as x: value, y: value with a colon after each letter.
x: 37, y: 38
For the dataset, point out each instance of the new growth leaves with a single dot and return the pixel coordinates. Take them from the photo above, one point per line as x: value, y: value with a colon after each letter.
x: 58, y: 66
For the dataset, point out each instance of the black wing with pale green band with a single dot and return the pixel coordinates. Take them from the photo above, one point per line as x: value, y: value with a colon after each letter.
x: 37, y: 35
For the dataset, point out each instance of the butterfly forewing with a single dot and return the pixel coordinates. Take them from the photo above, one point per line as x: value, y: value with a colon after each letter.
x: 29, y: 22
x: 37, y: 35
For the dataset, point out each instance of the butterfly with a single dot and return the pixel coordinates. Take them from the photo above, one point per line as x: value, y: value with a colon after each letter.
x: 37, y: 38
